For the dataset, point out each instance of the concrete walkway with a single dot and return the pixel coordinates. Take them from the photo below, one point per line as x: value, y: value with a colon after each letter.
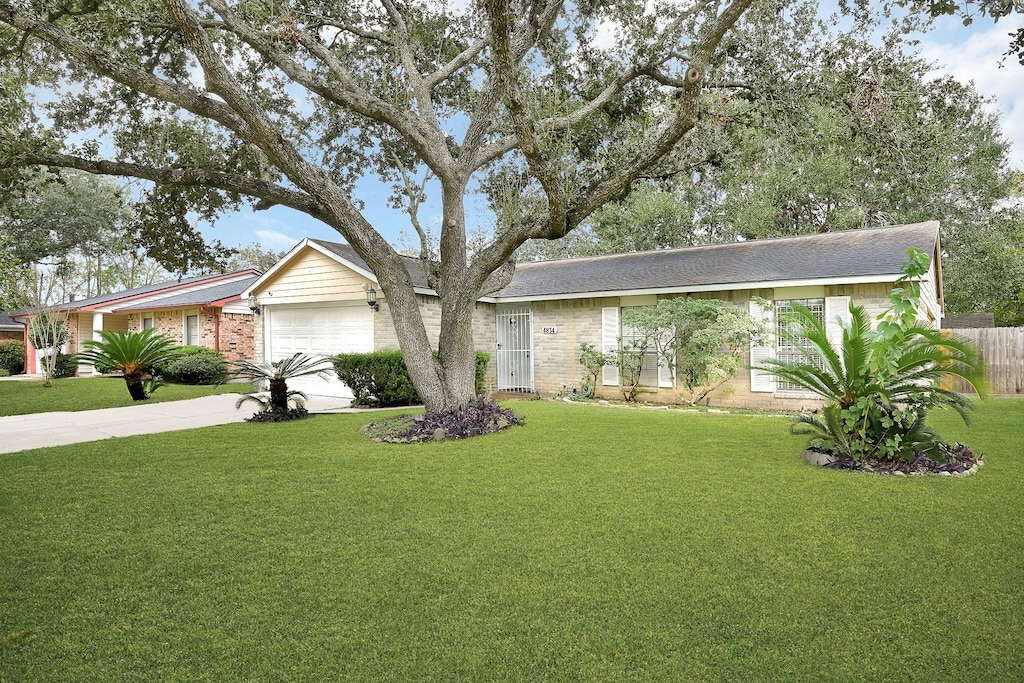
x: 24, y: 432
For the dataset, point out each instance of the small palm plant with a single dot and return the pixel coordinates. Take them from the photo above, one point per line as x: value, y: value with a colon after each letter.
x: 132, y: 353
x: 276, y: 375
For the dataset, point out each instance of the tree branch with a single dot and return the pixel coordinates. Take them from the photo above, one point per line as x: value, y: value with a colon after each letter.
x: 268, y: 193
x: 138, y: 79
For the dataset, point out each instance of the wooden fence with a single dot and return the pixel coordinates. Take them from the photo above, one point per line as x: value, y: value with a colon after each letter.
x: 1003, y: 350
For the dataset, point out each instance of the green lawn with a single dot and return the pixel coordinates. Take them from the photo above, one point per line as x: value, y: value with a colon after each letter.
x: 591, y: 544
x: 25, y: 397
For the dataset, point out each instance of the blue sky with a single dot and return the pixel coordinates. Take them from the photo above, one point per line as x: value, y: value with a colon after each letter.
x: 971, y: 53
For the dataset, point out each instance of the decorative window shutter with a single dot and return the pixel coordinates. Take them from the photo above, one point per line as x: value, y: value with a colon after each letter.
x: 665, y: 374
x: 610, y: 343
x: 837, y: 314
x: 759, y: 379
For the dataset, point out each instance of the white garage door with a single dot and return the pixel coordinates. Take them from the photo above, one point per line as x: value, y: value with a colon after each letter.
x: 324, y: 331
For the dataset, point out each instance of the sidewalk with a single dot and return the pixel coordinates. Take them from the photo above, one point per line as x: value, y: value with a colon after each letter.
x: 24, y: 432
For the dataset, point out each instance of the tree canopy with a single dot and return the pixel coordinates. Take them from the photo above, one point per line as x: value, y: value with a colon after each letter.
x: 837, y: 133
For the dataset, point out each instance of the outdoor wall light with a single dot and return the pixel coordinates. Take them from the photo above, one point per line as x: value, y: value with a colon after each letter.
x: 254, y: 304
x: 371, y: 298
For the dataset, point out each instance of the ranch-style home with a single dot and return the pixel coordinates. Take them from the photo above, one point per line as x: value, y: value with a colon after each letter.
x: 197, y: 311
x: 315, y: 301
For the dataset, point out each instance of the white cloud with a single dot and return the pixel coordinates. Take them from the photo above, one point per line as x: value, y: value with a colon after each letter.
x: 274, y: 239
x: 973, y: 54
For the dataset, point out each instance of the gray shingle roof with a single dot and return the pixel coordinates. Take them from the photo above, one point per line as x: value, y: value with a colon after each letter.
x: 147, y: 289
x: 6, y: 323
x: 412, y: 265
x: 195, y: 297
x: 864, y: 252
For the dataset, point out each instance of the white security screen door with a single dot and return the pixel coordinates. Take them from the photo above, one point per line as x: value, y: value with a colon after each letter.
x: 515, y: 348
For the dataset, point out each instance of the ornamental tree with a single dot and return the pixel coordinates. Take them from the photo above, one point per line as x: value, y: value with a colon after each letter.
x: 700, y: 341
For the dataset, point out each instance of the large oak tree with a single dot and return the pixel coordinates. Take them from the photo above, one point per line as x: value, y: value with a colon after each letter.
x: 291, y: 102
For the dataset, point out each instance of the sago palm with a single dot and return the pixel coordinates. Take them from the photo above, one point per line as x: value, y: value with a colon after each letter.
x: 876, y: 392
x: 277, y: 374
x: 132, y: 353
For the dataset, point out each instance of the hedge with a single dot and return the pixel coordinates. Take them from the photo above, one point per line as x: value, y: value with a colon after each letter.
x: 193, y: 365
x: 381, y: 378
x: 12, y: 356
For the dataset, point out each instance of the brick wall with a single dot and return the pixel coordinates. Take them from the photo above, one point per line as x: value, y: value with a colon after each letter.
x: 237, y: 340
x: 237, y: 330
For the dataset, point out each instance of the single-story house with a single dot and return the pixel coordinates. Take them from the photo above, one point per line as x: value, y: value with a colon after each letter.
x: 198, y: 311
x: 314, y: 300
x: 9, y: 328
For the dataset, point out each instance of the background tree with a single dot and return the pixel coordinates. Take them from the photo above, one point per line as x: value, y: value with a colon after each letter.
x: 71, y: 235
x: 835, y: 133
x: 253, y: 256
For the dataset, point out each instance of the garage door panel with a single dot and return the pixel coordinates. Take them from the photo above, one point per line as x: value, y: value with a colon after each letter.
x: 324, y: 331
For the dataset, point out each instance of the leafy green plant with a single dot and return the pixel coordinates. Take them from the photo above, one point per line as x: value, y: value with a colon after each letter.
x: 381, y: 378
x: 132, y: 353
x: 629, y: 358
x: 276, y: 375
x: 12, y: 356
x: 879, y: 384
x: 700, y: 341
x: 194, y: 365
x: 593, y: 361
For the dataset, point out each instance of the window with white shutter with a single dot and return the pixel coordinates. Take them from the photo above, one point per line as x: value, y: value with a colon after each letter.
x: 610, y: 343
x: 761, y: 349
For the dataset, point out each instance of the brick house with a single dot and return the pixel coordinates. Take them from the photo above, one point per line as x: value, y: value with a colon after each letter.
x: 199, y: 311
x: 10, y: 329
x: 315, y: 300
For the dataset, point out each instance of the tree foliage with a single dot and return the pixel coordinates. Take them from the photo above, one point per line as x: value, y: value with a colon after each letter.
x: 835, y: 132
x: 71, y: 236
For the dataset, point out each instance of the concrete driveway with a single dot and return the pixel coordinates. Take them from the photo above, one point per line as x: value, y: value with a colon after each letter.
x: 24, y: 432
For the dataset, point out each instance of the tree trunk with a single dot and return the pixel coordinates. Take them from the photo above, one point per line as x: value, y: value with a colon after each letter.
x: 278, y: 395
x: 135, y: 387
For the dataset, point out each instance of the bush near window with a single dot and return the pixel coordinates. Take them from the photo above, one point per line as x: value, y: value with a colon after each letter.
x: 66, y: 366
x: 12, y: 356
x: 381, y: 378
x: 194, y: 365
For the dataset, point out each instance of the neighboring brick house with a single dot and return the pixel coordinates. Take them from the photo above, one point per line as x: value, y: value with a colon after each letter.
x: 9, y: 328
x: 314, y: 301
x: 200, y: 311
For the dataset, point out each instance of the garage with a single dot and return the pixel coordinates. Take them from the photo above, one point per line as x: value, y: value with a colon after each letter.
x: 318, y: 330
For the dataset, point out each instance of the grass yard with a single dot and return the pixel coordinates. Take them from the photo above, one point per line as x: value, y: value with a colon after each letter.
x: 26, y: 397
x: 592, y: 544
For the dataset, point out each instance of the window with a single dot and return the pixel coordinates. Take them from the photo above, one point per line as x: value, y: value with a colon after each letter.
x: 649, y: 372
x: 192, y: 330
x: 789, y: 349
x: 147, y: 322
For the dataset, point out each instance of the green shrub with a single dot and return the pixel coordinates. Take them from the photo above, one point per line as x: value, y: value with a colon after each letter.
x: 67, y: 365
x: 381, y: 378
x: 376, y: 378
x: 193, y: 365
x: 483, y: 359
x: 12, y: 356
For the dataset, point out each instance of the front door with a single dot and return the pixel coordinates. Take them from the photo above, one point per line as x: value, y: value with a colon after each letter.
x: 515, y: 349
